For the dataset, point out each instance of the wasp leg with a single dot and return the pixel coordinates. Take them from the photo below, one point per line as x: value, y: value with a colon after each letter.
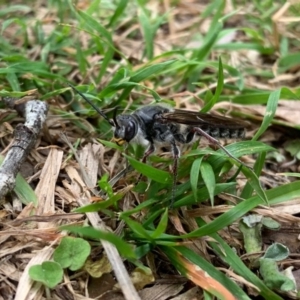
x: 148, y: 152
x: 216, y: 142
x: 165, y: 134
x: 176, y: 155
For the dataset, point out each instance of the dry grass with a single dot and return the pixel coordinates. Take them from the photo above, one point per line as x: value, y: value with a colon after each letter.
x: 67, y: 161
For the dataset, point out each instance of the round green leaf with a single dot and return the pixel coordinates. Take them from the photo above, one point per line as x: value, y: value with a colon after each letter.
x: 277, y: 252
x: 270, y: 223
x: 72, y: 253
x: 49, y: 273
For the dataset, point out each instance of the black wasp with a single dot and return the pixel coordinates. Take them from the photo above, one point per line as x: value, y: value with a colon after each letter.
x: 159, y: 125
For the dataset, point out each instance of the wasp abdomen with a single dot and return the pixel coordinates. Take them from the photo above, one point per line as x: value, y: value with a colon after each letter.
x: 222, y: 133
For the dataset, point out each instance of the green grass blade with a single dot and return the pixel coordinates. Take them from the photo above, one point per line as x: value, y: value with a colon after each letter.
x: 138, y: 208
x: 151, y: 70
x: 149, y: 27
x: 248, y: 189
x: 213, y: 32
x: 227, y: 254
x: 92, y: 24
x: 269, y: 114
x: 208, y: 176
x: 275, y: 196
x: 23, y: 190
x: 95, y: 207
x: 162, y: 225
x: 207, y: 107
x: 253, y: 180
x: 151, y: 172
x: 118, y: 12
x: 5, y: 11
x: 13, y: 81
x: 124, y: 248
x: 176, y: 253
x: 237, y: 150
x: 195, y: 176
x: 288, y: 61
x: 202, y: 194
x: 138, y: 229
x: 143, y: 74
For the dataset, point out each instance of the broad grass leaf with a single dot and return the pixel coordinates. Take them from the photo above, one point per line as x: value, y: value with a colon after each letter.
x: 124, y: 248
x: 138, y: 229
x: 96, y: 207
x: 208, y: 176
x: 195, y: 170
x: 275, y: 196
x: 121, y: 6
x: 207, y: 107
x: 5, y: 11
x: 162, y: 225
x: 150, y: 172
x: 202, y: 194
x: 204, y: 274
x: 23, y: 190
x: 259, y: 164
x: 253, y: 180
x: 227, y: 254
x: 151, y: 70
x: 270, y: 113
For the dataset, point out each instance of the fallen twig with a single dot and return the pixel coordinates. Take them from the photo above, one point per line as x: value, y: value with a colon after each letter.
x: 25, y: 136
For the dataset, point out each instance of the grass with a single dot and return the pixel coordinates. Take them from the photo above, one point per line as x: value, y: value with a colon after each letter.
x: 234, y: 58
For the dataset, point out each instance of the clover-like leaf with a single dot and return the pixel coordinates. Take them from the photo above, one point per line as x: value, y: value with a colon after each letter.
x: 277, y: 252
x: 72, y: 253
x: 49, y: 273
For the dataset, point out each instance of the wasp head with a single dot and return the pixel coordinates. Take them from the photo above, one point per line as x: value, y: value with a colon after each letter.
x: 126, y: 128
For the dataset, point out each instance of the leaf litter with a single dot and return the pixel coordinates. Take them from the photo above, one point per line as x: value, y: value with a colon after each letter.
x: 64, y: 178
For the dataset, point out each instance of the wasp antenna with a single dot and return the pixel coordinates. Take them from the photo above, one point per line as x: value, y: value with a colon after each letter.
x: 115, y: 116
x: 92, y: 104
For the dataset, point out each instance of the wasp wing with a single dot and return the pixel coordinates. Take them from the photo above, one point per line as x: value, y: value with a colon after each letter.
x: 194, y: 118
